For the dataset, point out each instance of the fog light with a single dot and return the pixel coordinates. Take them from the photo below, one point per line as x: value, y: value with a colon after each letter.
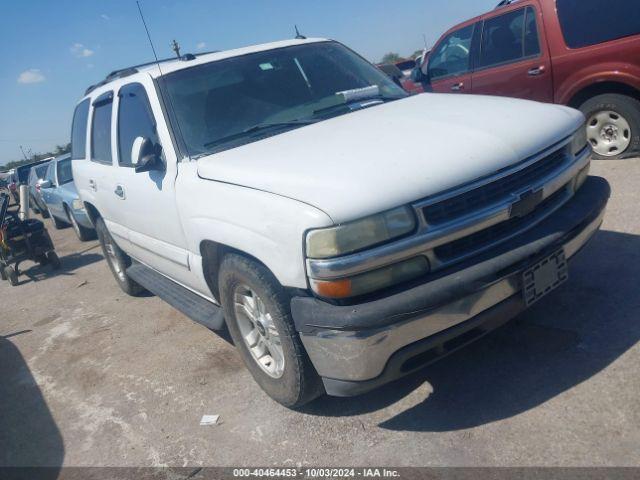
x: 371, y: 281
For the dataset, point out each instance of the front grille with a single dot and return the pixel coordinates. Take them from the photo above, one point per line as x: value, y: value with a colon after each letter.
x: 493, y: 192
x: 494, y: 235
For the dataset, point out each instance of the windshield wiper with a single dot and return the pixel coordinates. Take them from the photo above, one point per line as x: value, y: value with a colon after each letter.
x: 261, y: 127
x: 355, y: 105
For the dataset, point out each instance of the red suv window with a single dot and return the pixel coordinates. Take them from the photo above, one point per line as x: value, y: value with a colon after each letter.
x: 589, y: 22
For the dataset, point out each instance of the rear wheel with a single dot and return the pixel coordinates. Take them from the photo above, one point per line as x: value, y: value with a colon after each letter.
x: 84, y: 234
x: 257, y: 312
x: 34, y: 205
x: 613, y: 125
x: 57, y: 223
x: 53, y: 260
x: 117, y: 260
x: 11, y: 275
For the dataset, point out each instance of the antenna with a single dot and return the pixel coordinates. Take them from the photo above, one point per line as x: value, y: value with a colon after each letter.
x: 298, y: 35
x: 176, y: 48
x: 168, y: 103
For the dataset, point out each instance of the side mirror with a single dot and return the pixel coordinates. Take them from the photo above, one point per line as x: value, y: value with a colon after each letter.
x: 45, y: 184
x: 418, y: 76
x: 145, y: 156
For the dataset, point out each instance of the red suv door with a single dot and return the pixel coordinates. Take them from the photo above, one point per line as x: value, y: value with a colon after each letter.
x: 449, y: 67
x: 513, y: 60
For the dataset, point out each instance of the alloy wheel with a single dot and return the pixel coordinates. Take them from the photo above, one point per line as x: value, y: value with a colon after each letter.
x: 259, y: 331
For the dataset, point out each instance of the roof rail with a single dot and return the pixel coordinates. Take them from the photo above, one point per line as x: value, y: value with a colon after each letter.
x: 505, y: 3
x: 125, y: 72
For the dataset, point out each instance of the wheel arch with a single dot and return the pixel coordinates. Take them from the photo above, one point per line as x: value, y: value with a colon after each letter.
x: 602, y: 88
x: 212, y: 254
x: 92, y: 213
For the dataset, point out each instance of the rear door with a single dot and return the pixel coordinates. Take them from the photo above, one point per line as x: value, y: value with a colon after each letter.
x: 513, y: 60
x: 450, y: 63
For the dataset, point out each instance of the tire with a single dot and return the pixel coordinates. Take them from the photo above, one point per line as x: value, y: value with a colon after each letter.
x: 292, y: 383
x: 44, y: 211
x: 33, y: 204
x: 11, y: 276
x: 57, y: 223
x: 3, y: 275
x: 84, y: 234
x: 53, y: 260
x: 117, y: 260
x: 613, y: 125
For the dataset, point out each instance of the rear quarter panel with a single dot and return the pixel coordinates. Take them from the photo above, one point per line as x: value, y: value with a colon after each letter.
x: 576, y: 69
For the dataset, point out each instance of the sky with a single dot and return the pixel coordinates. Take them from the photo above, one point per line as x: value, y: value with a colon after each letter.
x: 54, y: 49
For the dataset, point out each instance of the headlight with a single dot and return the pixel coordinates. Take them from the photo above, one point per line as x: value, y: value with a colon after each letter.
x: 579, y: 141
x: 371, y: 281
x: 77, y: 204
x: 353, y: 236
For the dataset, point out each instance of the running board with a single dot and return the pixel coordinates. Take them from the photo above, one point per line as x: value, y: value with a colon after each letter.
x: 182, y: 299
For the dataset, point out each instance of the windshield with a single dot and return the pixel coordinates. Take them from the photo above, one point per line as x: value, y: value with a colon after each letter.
x: 65, y: 175
x: 235, y: 101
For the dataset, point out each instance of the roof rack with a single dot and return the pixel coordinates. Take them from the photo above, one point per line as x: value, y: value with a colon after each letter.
x: 125, y: 72
x: 505, y: 3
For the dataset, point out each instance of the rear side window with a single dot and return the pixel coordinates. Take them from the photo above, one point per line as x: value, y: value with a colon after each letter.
x: 79, y: 130
x: 510, y: 37
x: 452, y: 55
x: 101, y: 129
x: 589, y: 22
x: 135, y: 119
x: 65, y: 174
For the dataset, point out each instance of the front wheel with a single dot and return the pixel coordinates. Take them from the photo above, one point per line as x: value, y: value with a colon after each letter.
x: 613, y: 125
x: 117, y: 260
x: 57, y: 223
x: 257, y: 312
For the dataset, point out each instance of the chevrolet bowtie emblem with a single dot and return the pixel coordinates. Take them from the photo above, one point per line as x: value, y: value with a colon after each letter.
x: 526, y: 204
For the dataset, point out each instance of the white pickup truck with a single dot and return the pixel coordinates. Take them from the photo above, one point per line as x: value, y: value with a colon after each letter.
x: 278, y: 190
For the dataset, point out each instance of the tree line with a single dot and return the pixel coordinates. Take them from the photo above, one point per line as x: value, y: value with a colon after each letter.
x: 56, y: 152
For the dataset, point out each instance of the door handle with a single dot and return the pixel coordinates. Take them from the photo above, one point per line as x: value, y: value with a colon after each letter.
x: 457, y: 87
x: 534, y: 72
x: 119, y: 191
x: 92, y: 185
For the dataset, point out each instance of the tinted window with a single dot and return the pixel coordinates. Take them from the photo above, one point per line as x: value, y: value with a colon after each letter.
x: 531, y: 39
x: 101, y: 130
x: 588, y: 22
x: 502, y: 39
x: 65, y: 174
x: 452, y: 55
x: 49, y: 174
x: 135, y: 119
x: 79, y: 130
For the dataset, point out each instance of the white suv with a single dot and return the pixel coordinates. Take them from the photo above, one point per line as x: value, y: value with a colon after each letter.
x: 273, y: 189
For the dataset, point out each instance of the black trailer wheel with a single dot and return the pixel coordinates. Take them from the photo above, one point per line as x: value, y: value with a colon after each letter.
x: 11, y: 275
x: 54, y: 260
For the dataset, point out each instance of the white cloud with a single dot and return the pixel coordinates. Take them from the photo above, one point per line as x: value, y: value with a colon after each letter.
x: 80, y: 51
x: 33, y: 75
x: 106, y: 17
x: 200, y: 46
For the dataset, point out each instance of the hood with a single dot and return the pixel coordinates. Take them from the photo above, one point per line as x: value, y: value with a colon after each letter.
x: 385, y: 156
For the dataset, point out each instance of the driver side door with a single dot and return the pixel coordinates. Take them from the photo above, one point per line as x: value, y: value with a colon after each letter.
x: 450, y: 64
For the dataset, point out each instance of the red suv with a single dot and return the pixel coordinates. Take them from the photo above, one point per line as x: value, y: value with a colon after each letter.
x: 581, y: 53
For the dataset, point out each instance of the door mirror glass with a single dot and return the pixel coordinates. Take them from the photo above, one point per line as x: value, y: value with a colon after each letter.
x: 418, y: 76
x: 145, y: 155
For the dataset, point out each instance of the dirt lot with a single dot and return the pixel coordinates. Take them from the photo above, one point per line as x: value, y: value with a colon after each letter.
x: 89, y: 376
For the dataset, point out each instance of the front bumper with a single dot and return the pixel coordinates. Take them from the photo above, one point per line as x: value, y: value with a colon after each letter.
x: 357, y: 348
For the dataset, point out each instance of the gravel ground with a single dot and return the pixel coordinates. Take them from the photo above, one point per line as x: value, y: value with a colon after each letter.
x: 89, y: 376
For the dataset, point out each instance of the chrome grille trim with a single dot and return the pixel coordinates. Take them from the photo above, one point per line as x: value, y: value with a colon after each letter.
x: 429, y: 237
